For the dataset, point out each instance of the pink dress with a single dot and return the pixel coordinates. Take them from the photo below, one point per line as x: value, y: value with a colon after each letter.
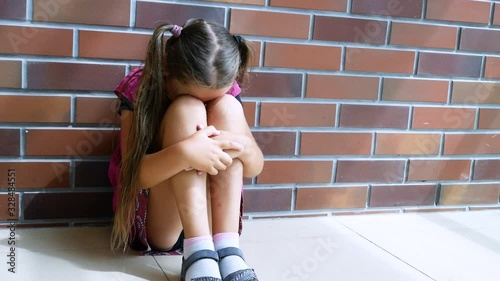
x: 138, y: 236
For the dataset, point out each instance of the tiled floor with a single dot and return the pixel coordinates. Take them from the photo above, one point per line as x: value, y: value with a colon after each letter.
x: 455, y: 246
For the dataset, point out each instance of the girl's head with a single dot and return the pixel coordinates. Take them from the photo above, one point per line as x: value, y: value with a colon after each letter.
x: 201, y: 59
x: 200, y: 55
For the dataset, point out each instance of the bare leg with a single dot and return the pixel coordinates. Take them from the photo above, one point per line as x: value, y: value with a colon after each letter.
x: 180, y: 202
x: 226, y: 113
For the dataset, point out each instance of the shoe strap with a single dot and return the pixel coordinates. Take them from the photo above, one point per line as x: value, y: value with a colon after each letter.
x: 203, y: 254
x: 230, y: 251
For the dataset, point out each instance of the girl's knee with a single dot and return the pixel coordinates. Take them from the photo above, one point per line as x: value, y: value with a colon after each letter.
x: 224, y: 107
x: 234, y: 170
x: 185, y: 105
x: 181, y: 118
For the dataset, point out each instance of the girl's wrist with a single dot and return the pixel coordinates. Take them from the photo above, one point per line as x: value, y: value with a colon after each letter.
x: 181, y: 150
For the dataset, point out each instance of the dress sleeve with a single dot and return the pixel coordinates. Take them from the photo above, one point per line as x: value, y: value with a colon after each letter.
x: 128, y: 86
x: 235, y: 91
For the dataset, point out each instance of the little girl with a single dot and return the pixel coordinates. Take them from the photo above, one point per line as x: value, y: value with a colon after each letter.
x: 184, y: 149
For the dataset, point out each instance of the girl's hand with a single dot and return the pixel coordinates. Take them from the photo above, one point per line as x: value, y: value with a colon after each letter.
x: 206, y: 154
x: 239, y: 138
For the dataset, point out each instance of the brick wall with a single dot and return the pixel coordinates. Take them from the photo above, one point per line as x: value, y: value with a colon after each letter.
x: 359, y: 105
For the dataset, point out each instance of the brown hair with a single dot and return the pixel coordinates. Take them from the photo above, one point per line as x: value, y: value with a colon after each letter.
x: 205, y: 54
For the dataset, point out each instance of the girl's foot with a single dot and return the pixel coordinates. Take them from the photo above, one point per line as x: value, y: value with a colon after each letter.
x: 200, y: 260
x: 231, y: 261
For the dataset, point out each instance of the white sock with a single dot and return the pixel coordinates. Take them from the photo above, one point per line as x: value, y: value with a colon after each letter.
x: 203, y: 267
x: 229, y: 264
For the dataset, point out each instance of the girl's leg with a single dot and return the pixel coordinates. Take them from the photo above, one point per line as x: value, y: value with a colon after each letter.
x: 180, y: 202
x: 226, y: 113
x: 189, y: 190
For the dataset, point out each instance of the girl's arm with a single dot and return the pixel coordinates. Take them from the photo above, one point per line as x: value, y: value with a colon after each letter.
x: 252, y: 157
x: 199, y: 152
x: 156, y: 167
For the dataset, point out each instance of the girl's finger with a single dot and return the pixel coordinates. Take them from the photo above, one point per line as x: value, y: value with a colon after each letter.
x: 211, y: 131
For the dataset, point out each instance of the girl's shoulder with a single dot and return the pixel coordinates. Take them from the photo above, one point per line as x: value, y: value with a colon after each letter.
x: 128, y: 86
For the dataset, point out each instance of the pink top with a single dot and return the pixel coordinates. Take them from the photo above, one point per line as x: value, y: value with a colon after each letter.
x: 128, y: 87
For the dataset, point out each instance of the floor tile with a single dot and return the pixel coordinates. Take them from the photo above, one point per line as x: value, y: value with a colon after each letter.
x: 257, y: 230
x: 81, y: 265
x: 171, y: 266
x: 445, y: 246
x: 338, y: 256
x: 50, y: 239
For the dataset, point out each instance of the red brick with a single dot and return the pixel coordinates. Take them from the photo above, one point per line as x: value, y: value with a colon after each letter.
x: 471, y: 144
x: 420, y: 35
x: 276, y: 143
x: 342, y: 87
x: 36, y: 41
x: 407, y: 144
x: 449, y: 65
x: 278, y: 85
x: 67, y: 205
x: 443, y: 118
x: 325, y: 5
x: 6, y: 203
x: 268, y: 200
x: 249, y: 2
x: 349, y: 30
x: 110, y: 45
x: 91, y: 174
x: 439, y: 170
x: 476, y: 93
x: 97, y: 111
x: 47, y: 142
x: 369, y: 171
x: 486, y: 170
x: 469, y: 194
x: 458, y: 10
x: 277, y: 172
x: 331, y: 198
x: 370, y: 60
x: 415, y: 90
x: 37, y: 174
x: 496, y: 19
x: 336, y: 143
x: 269, y: 24
x: 480, y: 40
x: 492, y: 69
x: 35, y: 109
x: 153, y: 14
x: 250, y: 108
x: 10, y: 141
x: 297, y: 115
x: 13, y: 9
x: 373, y: 116
x: 98, y: 12
x: 402, y: 195
x: 489, y: 118
x: 10, y: 74
x: 74, y: 76
x: 391, y: 8
x: 302, y: 56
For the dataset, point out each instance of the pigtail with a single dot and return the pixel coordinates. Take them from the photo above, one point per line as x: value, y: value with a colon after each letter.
x: 150, y: 104
x: 246, y: 56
